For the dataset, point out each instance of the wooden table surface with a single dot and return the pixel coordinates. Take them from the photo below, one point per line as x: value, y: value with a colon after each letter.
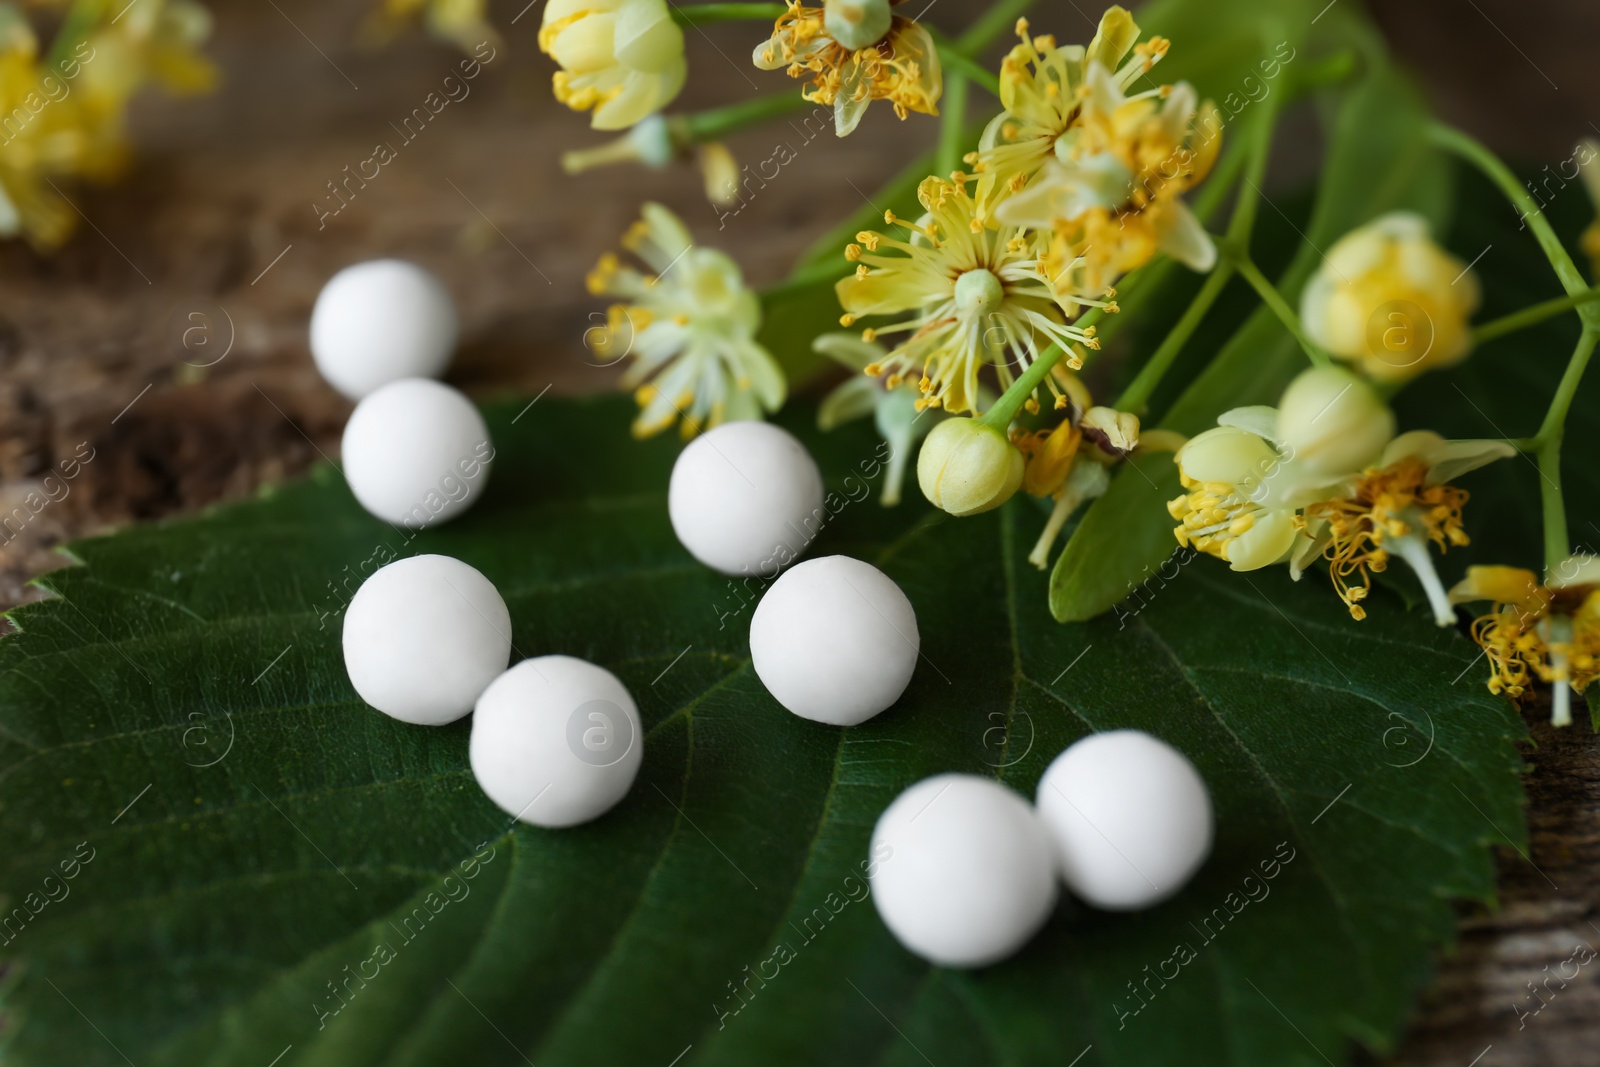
x: 217, y: 216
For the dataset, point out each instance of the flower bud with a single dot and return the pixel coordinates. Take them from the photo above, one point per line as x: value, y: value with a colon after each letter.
x: 966, y: 467
x: 1331, y: 422
x: 1391, y: 300
x: 856, y: 24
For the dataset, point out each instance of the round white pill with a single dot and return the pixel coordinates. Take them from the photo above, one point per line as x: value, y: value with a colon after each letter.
x: 1129, y: 816
x: 745, y: 498
x: 556, y: 741
x: 423, y: 636
x: 961, y: 873
x: 416, y: 452
x: 834, y: 640
x: 380, y: 321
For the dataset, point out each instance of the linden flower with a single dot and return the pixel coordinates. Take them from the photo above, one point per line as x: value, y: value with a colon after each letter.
x: 1071, y: 462
x: 1396, y: 508
x: 1041, y: 90
x: 65, y: 118
x: 1245, y: 480
x: 1550, y: 631
x: 690, y: 328
x: 622, y: 59
x: 1390, y: 300
x: 973, y: 296
x: 1241, y: 494
x: 1112, y: 193
x: 848, y: 66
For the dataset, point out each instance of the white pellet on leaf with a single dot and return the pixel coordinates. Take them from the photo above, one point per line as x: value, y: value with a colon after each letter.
x: 556, y: 741
x: 423, y: 636
x: 380, y: 321
x: 1129, y: 816
x: 835, y: 640
x: 963, y: 874
x: 745, y: 498
x: 416, y: 453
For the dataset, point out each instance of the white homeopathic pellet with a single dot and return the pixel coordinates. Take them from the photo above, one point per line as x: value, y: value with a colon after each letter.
x: 1129, y: 816
x: 416, y: 452
x: 380, y: 321
x: 834, y: 640
x: 423, y: 636
x: 745, y: 498
x: 556, y: 741
x: 963, y: 872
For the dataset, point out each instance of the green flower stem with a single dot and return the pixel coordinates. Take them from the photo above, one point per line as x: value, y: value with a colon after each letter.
x: 1137, y: 395
x: 959, y: 64
x: 1473, y: 152
x: 952, y: 135
x: 707, y: 14
x: 719, y: 122
x: 1531, y: 315
x: 1273, y: 299
x: 1258, y: 147
x: 1547, y: 443
x: 1549, y: 450
x: 994, y: 22
x: 1005, y: 409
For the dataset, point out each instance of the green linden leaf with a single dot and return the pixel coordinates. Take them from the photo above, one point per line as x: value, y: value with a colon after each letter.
x: 216, y: 854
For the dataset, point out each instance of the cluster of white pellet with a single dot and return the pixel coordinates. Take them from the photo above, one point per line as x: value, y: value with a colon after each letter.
x: 968, y: 868
x: 555, y: 741
x: 833, y: 639
x: 415, y: 451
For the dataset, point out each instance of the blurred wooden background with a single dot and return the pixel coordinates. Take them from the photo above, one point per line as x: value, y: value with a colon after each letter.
x: 217, y: 216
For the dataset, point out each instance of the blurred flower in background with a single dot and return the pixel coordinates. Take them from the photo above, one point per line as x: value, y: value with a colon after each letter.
x: 621, y: 59
x: 62, y: 114
x: 464, y: 23
x: 689, y: 327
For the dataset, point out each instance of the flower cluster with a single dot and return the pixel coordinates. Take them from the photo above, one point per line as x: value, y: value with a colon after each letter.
x: 690, y: 330
x: 1073, y: 185
x: 1106, y: 173
x: 64, y: 116
x: 1323, y: 475
x: 1005, y: 273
